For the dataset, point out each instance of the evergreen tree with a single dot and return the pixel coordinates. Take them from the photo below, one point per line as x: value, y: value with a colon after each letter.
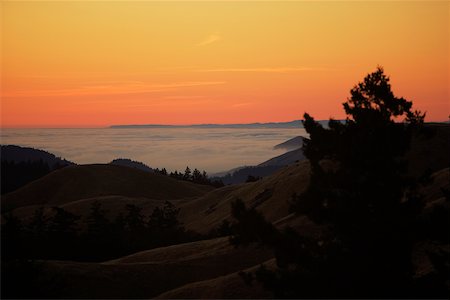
x: 134, y: 220
x: 197, y: 176
x: 63, y: 234
x: 187, y: 174
x: 97, y: 222
x: 63, y: 222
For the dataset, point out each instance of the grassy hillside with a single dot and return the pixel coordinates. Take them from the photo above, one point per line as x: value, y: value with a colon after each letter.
x: 230, y: 286
x: 87, y: 181
x: 270, y: 195
x: 149, y: 273
x: 111, y: 205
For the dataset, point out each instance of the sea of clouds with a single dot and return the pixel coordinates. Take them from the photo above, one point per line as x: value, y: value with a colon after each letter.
x: 207, y: 149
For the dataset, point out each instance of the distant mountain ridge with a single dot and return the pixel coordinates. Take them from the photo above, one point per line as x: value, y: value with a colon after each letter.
x: 268, y: 167
x: 257, y: 125
x: 292, y: 124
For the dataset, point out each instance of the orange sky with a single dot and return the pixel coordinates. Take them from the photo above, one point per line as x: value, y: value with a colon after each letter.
x: 85, y: 63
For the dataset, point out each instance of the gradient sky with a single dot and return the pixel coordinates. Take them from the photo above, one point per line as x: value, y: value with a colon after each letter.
x: 90, y: 64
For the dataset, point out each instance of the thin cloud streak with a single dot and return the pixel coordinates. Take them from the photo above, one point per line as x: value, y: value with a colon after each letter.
x: 265, y: 70
x: 237, y: 105
x: 128, y: 88
x: 183, y: 97
x: 212, y: 38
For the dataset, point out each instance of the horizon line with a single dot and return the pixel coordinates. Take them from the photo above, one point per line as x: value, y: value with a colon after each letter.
x: 115, y: 126
x: 89, y: 126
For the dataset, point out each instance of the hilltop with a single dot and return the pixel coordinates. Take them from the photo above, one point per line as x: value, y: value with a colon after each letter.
x: 87, y: 181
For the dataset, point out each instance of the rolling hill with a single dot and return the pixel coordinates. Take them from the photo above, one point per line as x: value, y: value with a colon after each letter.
x: 88, y: 181
x: 146, y: 274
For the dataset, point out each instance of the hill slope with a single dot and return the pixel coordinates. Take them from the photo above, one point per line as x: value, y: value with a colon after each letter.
x: 291, y: 144
x: 146, y: 274
x: 270, y: 195
x: 285, y: 158
x: 87, y: 181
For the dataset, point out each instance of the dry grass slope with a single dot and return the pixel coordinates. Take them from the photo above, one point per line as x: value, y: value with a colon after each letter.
x: 149, y: 273
x: 111, y: 205
x: 230, y: 286
x: 270, y: 195
x: 88, y: 181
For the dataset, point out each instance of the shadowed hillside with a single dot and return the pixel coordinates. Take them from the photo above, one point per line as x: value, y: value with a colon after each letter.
x: 264, y: 169
x: 146, y: 274
x: 270, y: 195
x: 291, y: 144
x: 88, y: 181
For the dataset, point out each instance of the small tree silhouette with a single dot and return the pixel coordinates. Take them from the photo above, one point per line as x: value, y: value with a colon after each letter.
x: 187, y: 174
x: 97, y: 222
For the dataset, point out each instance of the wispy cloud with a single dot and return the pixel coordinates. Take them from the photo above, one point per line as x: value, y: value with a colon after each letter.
x: 181, y: 97
x: 111, y: 89
x: 236, y: 105
x: 212, y: 38
x: 265, y: 70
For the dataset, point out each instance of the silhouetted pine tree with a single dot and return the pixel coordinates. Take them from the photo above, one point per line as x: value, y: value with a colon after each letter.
x: 187, y: 174
x: 197, y: 176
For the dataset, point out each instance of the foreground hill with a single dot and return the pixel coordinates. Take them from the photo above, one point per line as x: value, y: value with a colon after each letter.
x: 88, y: 181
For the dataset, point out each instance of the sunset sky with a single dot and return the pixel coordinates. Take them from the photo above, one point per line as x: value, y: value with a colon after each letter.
x: 91, y: 64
